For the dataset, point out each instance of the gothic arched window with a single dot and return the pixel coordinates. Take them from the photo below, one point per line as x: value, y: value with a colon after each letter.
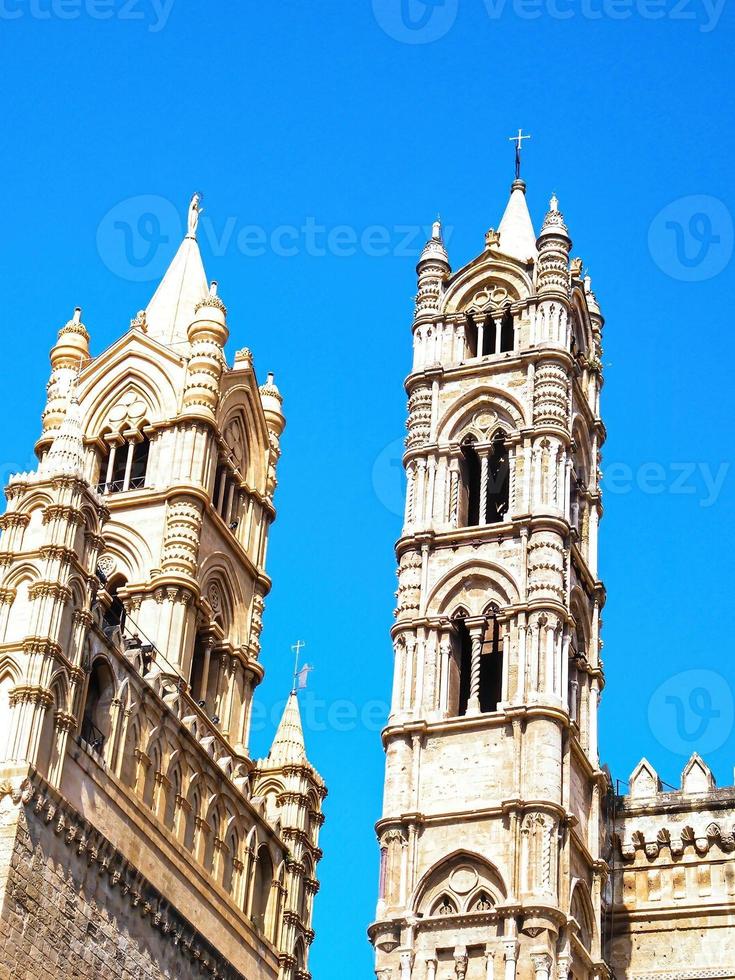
x: 126, y: 465
x: 480, y: 640
x: 96, y: 716
x: 498, y: 490
x: 472, y: 482
x: 262, y: 888
x: 507, y: 332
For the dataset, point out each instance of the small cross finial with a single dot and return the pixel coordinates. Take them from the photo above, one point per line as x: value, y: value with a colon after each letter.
x: 518, y: 140
x: 297, y: 648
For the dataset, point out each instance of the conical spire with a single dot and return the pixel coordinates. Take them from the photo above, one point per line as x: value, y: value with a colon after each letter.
x: 66, y: 455
x: 517, y: 237
x: 288, y: 745
x: 182, y: 288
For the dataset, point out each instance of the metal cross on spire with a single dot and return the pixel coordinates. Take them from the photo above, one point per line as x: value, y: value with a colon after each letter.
x: 518, y: 140
x: 299, y: 676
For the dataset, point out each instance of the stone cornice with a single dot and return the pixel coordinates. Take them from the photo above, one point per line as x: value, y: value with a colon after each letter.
x: 43, y: 803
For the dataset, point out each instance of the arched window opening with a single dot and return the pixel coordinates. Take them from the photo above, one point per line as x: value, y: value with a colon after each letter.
x: 126, y: 465
x: 114, y: 615
x: 7, y: 684
x: 489, y: 337
x: 226, y: 497
x: 483, y: 642
x: 262, y: 888
x: 464, y: 651
x: 200, y: 669
x: 507, y: 332
x: 498, y: 490
x: 471, y: 336
x: 491, y: 664
x: 96, y: 722
x: 471, y: 481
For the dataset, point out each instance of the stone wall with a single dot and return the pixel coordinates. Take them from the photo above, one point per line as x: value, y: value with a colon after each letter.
x: 71, y: 910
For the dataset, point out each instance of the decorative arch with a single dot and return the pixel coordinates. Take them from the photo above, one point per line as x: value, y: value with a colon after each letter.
x: 130, y: 551
x: 473, y: 584
x: 582, y: 911
x: 482, y: 281
x: 458, y: 879
x: 480, y: 412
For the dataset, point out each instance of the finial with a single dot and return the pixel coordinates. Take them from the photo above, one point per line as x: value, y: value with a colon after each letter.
x: 436, y: 230
x: 554, y: 203
x: 77, y: 318
x: 194, y: 213
x: 213, y: 288
x: 518, y: 140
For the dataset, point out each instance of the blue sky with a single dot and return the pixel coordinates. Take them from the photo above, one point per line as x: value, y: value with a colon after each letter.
x: 325, y: 138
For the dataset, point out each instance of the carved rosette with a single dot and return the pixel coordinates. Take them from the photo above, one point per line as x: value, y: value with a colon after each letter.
x: 181, y: 544
x: 419, y: 417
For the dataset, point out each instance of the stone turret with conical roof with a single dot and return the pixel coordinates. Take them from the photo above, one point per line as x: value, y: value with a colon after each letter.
x: 433, y: 269
x: 286, y: 777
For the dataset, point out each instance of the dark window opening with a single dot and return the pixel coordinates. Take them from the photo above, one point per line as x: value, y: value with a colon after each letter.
x: 498, y: 481
x: 507, y: 332
x: 464, y: 642
x: 491, y: 667
x: 125, y: 467
x: 115, y: 613
x: 96, y: 716
x: 488, y: 337
x: 472, y: 482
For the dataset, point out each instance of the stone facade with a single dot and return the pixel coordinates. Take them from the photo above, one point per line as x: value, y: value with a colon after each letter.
x: 132, y: 590
x: 671, y: 913
x: 498, y: 838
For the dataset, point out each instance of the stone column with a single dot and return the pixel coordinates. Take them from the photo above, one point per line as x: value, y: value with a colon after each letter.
x: 489, y: 963
x: 511, y: 957
x: 431, y: 965
x: 484, y: 481
x: 473, y: 705
x: 542, y: 964
x: 454, y: 494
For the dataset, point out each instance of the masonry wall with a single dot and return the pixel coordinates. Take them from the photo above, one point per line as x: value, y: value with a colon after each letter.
x: 67, y: 913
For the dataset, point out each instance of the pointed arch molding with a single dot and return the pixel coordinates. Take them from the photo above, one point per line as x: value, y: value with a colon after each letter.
x: 463, y: 875
x: 481, y: 411
x: 488, y: 273
x: 474, y: 585
x: 135, y: 364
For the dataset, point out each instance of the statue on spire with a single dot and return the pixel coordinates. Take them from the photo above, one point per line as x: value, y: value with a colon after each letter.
x: 194, y: 212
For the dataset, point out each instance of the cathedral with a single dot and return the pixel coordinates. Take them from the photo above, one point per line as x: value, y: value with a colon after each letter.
x: 139, y: 838
x: 505, y: 851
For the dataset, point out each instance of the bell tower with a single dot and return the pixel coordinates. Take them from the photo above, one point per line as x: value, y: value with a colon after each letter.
x: 489, y: 840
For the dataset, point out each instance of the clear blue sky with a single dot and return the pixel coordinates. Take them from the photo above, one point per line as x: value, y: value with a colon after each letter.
x: 290, y: 115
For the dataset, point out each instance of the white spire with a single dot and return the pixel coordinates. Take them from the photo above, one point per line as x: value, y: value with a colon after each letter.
x: 182, y: 288
x: 66, y: 454
x: 288, y: 745
x: 517, y: 237
x: 435, y: 248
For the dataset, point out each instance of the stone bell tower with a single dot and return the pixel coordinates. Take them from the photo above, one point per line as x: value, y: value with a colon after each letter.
x: 489, y: 839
